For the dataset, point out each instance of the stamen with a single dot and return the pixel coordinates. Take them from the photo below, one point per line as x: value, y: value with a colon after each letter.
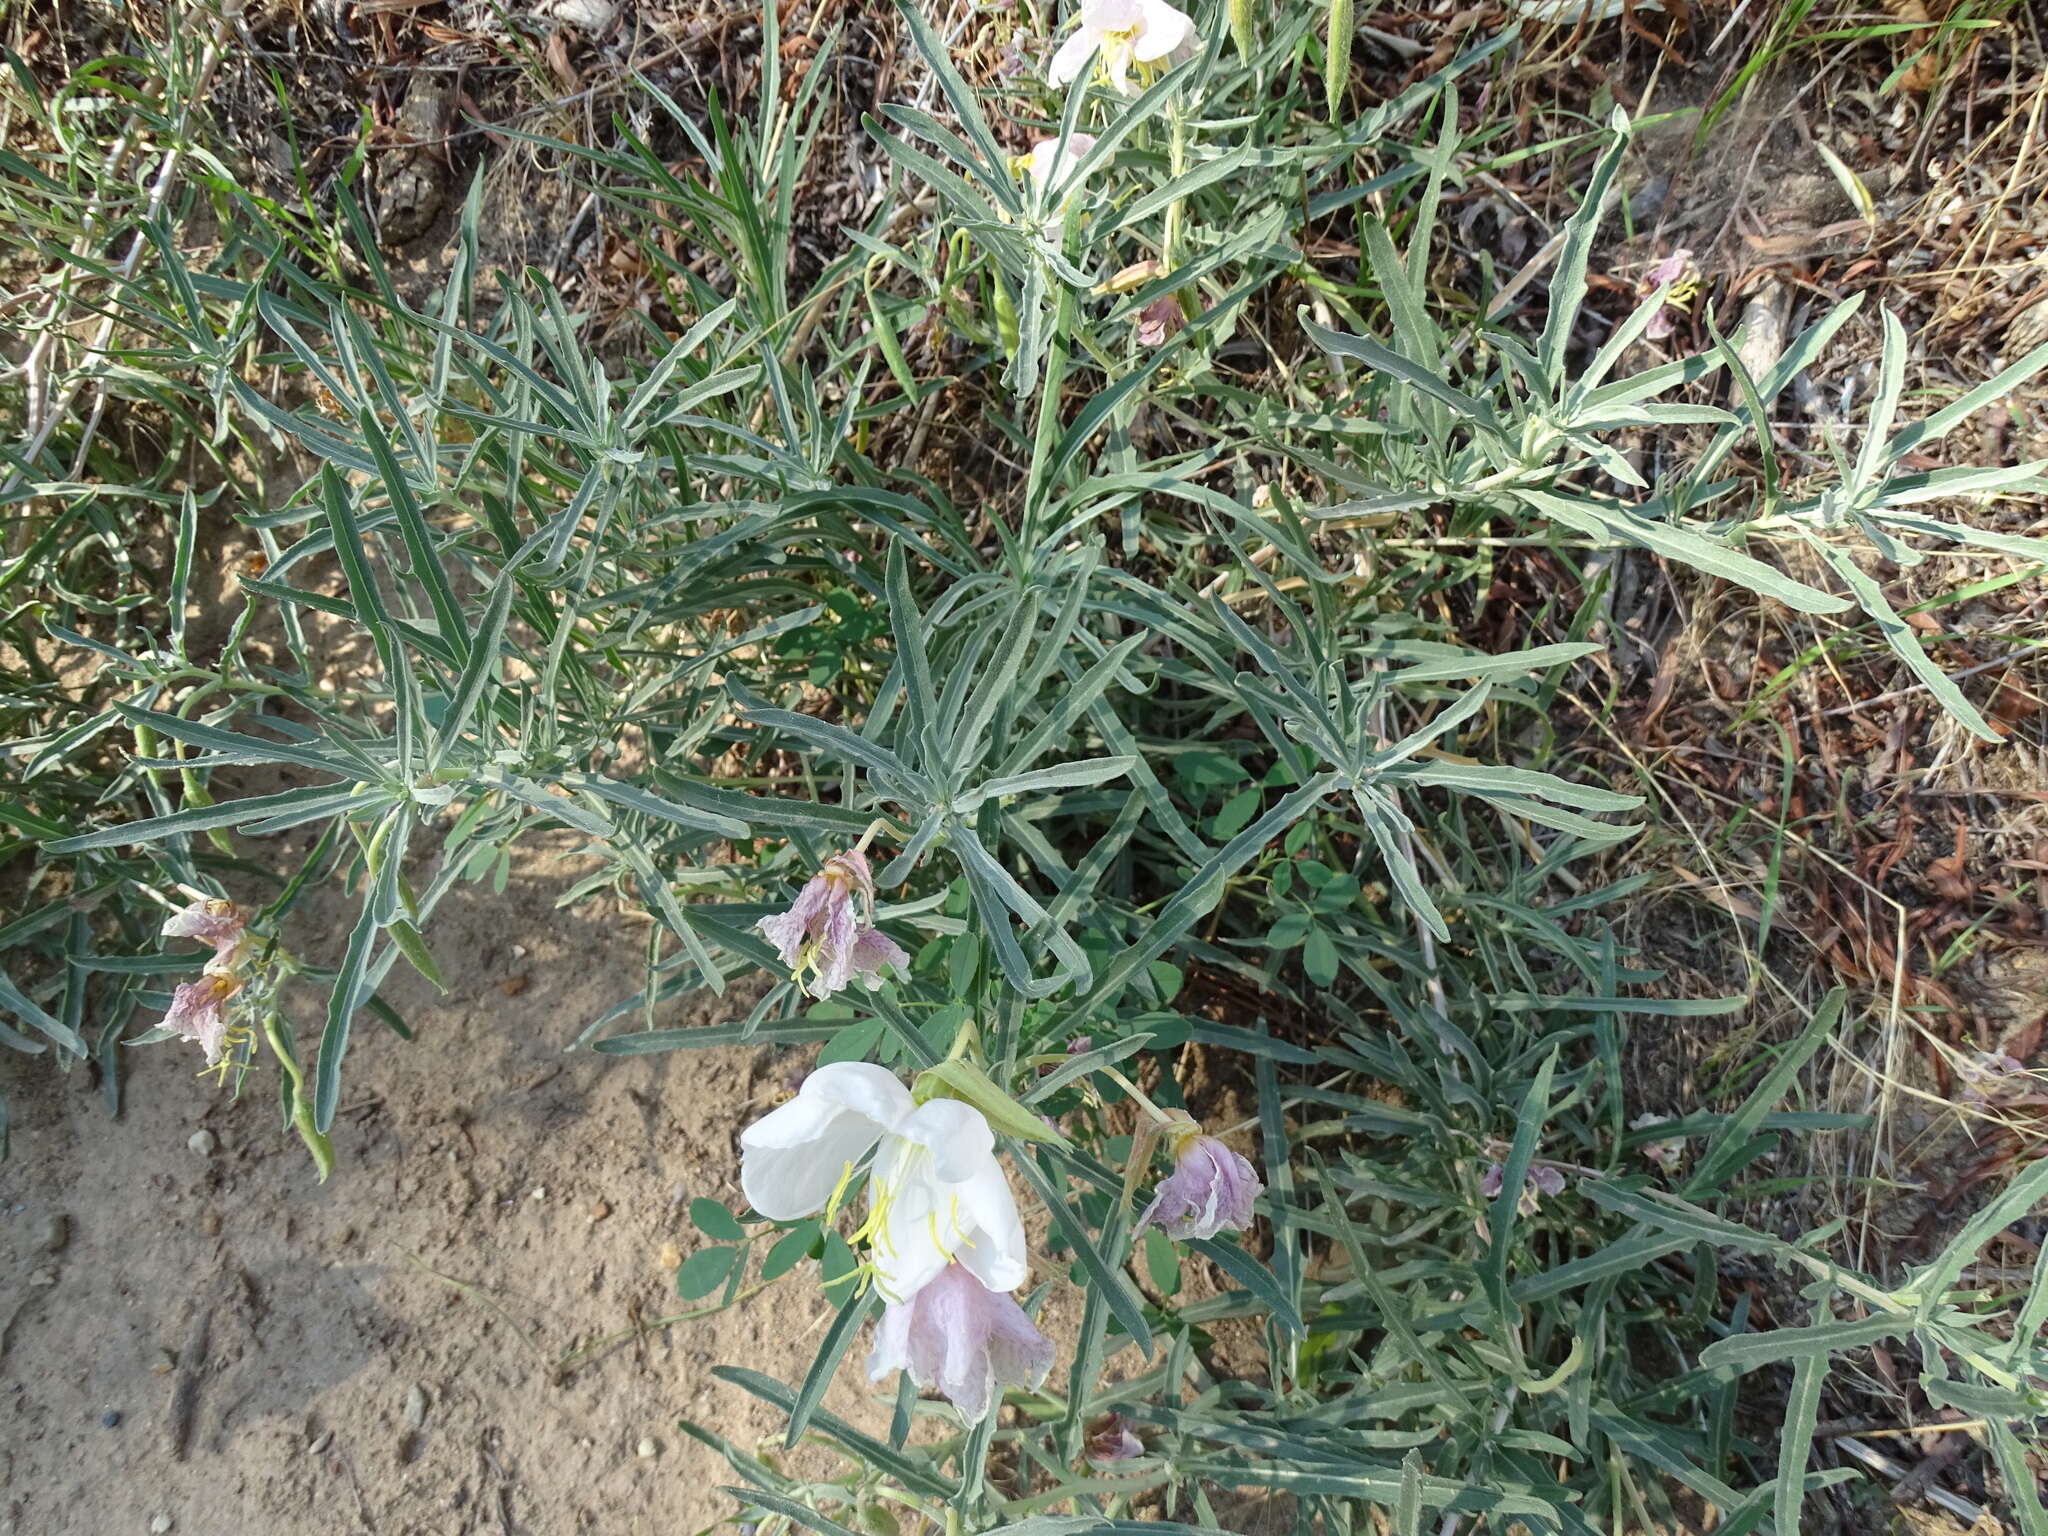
x: 839, y: 1191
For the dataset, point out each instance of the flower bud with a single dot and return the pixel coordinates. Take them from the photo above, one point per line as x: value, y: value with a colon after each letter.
x: 1131, y: 278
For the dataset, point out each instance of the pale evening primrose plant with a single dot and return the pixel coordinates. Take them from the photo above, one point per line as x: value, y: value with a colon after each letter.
x: 936, y: 1195
x: 1123, y: 33
x: 830, y: 929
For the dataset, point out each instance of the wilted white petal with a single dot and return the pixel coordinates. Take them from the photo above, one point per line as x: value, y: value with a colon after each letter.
x: 872, y: 951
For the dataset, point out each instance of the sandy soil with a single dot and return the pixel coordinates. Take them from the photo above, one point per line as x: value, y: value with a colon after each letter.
x: 287, y: 1324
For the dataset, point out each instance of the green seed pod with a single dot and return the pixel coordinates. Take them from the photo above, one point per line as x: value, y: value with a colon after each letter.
x: 1337, y: 54
x: 1006, y: 317
x: 1241, y: 28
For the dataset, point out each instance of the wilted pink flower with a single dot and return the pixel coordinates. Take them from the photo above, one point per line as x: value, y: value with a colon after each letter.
x: 1538, y: 1182
x: 1110, y: 1439
x: 1669, y: 270
x: 1210, y: 1190
x: 198, y: 1011
x: 963, y: 1338
x: 1984, y: 1076
x: 1159, y: 320
x: 219, y: 923
x: 1666, y: 1154
x: 830, y: 931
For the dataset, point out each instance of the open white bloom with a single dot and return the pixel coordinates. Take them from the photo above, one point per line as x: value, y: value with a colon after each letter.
x: 936, y: 1195
x: 1125, y: 32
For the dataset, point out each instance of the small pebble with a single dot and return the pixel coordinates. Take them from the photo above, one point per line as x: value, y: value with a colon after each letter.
x: 320, y: 1442
x: 161, y: 1524
x: 671, y: 1257
x: 43, y: 1277
x: 202, y: 1141
x: 599, y: 1211
x: 53, y: 1232
x: 166, y: 1362
x: 111, y: 1419
x: 540, y: 1192
x: 647, y: 1448
x: 415, y: 1406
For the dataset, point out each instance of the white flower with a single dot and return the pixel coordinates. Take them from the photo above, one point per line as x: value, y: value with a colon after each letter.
x: 1051, y: 162
x: 937, y: 1194
x: 1124, y: 32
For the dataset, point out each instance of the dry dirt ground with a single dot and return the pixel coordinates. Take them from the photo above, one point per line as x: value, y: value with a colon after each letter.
x: 498, y: 1203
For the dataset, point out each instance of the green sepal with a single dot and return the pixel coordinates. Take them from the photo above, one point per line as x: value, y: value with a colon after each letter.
x: 959, y: 1079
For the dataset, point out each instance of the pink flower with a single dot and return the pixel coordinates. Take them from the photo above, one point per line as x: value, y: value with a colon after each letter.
x: 1210, y: 1190
x: 1537, y: 1183
x: 1159, y: 320
x: 1110, y: 1439
x: 1670, y: 270
x: 198, y: 1011
x: 219, y: 923
x: 830, y: 931
x: 963, y: 1338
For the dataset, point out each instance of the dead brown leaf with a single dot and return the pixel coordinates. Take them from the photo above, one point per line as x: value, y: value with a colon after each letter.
x: 558, y: 60
x: 1946, y: 875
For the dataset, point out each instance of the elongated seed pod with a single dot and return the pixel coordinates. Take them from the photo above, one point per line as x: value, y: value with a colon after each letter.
x: 1337, y: 54
x: 1241, y: 28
